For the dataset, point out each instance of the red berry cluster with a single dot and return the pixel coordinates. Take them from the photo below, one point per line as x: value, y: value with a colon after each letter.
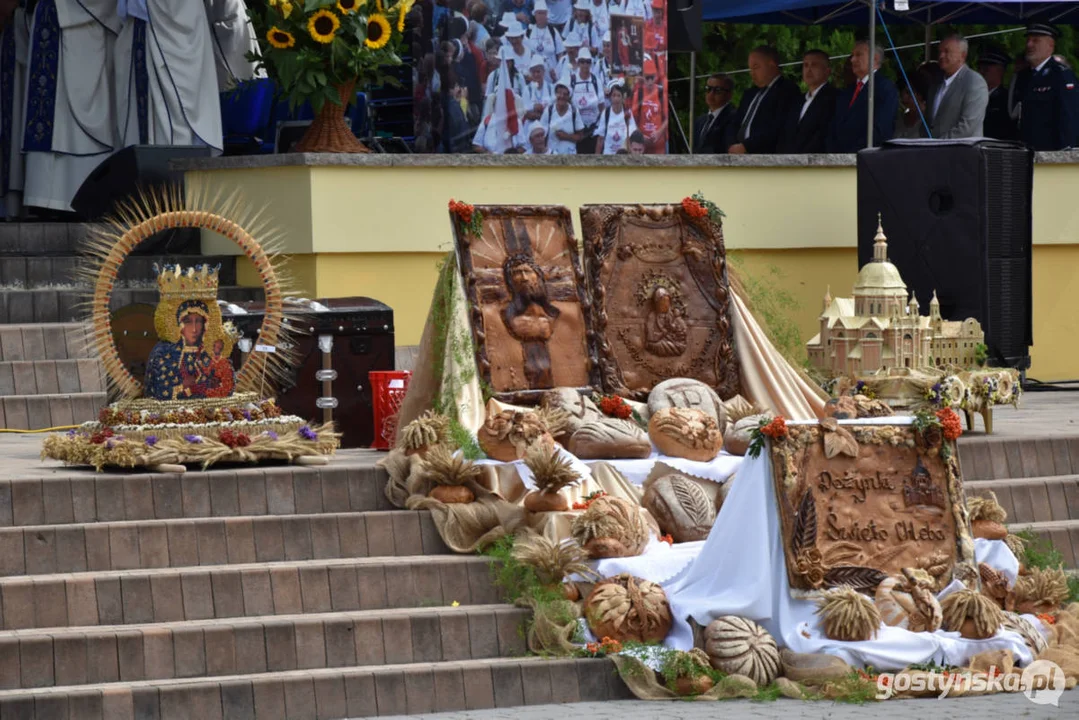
x: 775, y: 429
x: 462, y: 210
x: 101, y: 436
x: 950, y: 424
x: 693, y: 208
x: 616, y: 407
x: 234, y: 439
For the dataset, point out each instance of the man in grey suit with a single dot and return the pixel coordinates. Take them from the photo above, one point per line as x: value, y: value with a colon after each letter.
x: 957, y: 105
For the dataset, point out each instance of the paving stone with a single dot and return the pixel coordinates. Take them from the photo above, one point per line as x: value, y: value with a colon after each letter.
x: 132, y: 659
x: 102, y: 659
x: 15, y: 413
x: 390, y: 693
x: 257, y: 592
x: 228, y: 594
x: 479, y: 687
x: 300, y: 698
x: 360, y: 694
x: 397, y: 639
x: 27, y: 503
x: 61, y: 411
x: 330, y: 700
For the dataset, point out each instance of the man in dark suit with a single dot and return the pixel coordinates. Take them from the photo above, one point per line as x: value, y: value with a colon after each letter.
x: 807, y: 123
x: 999, y: 123
x: 765, y: 106
x: 851, y: 121
x: 710, y: 129
x: 1049, y: 118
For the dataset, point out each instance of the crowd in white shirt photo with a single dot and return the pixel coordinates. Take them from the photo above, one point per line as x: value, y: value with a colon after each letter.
x: 537, y: 77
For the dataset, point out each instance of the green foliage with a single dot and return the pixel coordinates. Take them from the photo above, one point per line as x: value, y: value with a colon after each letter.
x: 854, y: 689
x: 465, y: 441
x: 774, y: 308
x: 768, y: 693
x: 515, y: 579
x: 458, y: 343
x: 981, y: 354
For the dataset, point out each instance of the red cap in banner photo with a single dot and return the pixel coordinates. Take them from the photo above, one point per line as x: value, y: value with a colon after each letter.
x: 649, y: 66
x: 658, y: 4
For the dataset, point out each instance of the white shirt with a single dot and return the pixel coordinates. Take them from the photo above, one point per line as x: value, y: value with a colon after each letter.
x: 944, y: 89
x: 809, y: 100
x: 568, y: 123
x: 546, y: 42
x: 615, y: 129
x: 587, y: 97
x: 1042, y: 64
x: 536, y: 95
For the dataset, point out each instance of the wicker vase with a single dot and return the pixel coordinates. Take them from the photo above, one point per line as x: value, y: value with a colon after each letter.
x: 328, y: 132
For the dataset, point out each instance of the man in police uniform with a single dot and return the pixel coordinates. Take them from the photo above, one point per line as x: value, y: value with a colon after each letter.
x: 998, y: 124
x: 1050, y: 115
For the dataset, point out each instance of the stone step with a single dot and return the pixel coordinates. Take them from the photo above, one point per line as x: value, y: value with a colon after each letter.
x: 1029, y: 500
x: 330, y: 694
x: 1062, y: 534
x: 35, y: 239
x: 990, y: 457
x: 137, y: 270
x: 43, y: 341
x: 128, y: 597
x: 146, y: 544
x: 36, y: 412
x: 348, y: 484
x: 50, y: 377
x: 258, y: 644
x: 65, y: 306
x: 42, y: 238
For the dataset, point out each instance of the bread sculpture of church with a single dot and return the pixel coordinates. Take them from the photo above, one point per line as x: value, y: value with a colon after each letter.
x: 879, y: 328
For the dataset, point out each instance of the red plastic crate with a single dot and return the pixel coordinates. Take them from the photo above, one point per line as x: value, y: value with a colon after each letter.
x: 388, y: 388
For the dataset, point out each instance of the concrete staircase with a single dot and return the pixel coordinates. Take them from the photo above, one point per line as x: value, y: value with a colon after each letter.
x: 1036, y: 482
x: 254, y: 593
x: 47, y: 379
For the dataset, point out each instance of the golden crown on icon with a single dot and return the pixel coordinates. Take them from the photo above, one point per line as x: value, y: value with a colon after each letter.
x: 193, y: 283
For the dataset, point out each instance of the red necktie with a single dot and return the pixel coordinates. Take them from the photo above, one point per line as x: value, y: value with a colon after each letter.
x: 857, y: 91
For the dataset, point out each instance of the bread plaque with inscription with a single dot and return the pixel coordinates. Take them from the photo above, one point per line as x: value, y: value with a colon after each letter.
x: 859, y: 503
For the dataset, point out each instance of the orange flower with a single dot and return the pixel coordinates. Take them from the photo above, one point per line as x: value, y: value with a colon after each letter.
x: 775, y: 429
x: 668, y: 539
x: 1047, y: 618
x: 461, y: 210
x: 615, y: 406
x: 950, y: 424
x: 693, y: 208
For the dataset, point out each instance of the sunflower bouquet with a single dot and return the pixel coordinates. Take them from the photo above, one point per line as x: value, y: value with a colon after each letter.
x: 318, y: 51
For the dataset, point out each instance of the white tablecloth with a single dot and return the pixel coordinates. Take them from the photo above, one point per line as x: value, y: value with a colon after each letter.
x: 741, y: 570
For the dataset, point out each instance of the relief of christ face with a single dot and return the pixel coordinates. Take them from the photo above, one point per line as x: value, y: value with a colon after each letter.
x: 526, y: 282
x: 192, y: 327
x: 529, y: 316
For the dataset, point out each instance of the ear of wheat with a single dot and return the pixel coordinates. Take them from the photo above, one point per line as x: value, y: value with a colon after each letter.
x: 444, y: 468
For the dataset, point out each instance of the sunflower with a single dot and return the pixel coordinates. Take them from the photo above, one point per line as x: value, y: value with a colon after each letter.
x: 378, y: 32
x: 323, y: 26
x: 280, y: 39
x: 349, y: 6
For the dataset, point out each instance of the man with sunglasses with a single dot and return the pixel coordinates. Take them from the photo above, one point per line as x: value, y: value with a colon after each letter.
x: 710, y: 129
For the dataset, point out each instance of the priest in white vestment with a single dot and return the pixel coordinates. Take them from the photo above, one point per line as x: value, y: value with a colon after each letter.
x: 14, y: 56
x: 166, y: 75
x: 233, y: 39
x: 69, y: 127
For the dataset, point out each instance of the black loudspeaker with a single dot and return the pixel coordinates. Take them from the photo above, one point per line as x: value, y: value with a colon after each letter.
x: 957, y: 214
x: 685, y: 26
x: 125, y: 171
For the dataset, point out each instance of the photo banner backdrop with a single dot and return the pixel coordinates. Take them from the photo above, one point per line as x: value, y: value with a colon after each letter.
x: 540, y: 76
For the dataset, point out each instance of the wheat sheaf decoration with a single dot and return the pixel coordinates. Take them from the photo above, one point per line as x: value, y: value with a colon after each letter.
x: 151, y: 211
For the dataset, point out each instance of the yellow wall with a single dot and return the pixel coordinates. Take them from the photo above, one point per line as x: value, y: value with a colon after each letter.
x: 381, y: 231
